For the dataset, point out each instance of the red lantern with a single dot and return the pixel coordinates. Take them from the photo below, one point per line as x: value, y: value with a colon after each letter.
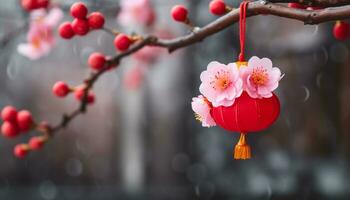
x: 247, y: 115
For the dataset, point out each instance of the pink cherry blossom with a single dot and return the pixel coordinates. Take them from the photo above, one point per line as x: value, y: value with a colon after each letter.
x: 201, y: 106
x: 136, y: 13
x: 260, y: 79
x: 221, y: 84
x: 40, y: 38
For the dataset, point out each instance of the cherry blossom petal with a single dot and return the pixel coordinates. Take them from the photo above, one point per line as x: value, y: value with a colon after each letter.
x: 204, y: 76
x: 267, y: 63
x: 54, y: 17
x: 253, y: 94
x: 253, y: 61
x: 202, y: 108
x: 249, y: 85
x: 208, y: 91
x: 264, y: 92
x: 37, y: 14
x: 234, y: 71
x: 29, y: 51
x: 213, y: 65
x: 275, y: 75
x: 225, y: 103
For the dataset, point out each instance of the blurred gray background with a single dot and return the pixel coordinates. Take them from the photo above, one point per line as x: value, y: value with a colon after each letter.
x: 144, y: 143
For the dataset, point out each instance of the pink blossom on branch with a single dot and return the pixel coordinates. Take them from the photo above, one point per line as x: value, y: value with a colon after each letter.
x: 260, y: 79
x: 201, y: 106
x: 40, y: 38
x: 136, y: 13
x: 221, y: 84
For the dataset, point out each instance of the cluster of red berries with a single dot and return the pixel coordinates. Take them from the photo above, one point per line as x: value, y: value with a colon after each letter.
x: 61, y: 89
x: 19, y: 122
x: 97, y: 61
x: 30, y: 5
x: 341, y: 30
x: 217, y: 7
x: 81, y: 25
x: 82, y: 22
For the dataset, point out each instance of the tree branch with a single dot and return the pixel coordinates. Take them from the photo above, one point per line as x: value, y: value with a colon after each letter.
x: 254, y: 8
x: 318, y: 3
x: 257, y: 8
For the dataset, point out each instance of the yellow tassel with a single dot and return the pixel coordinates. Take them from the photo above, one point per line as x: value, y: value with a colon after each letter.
x: 242, y: 149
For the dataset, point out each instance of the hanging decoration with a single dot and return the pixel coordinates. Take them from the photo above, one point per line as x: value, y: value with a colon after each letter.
x: 239, y: 96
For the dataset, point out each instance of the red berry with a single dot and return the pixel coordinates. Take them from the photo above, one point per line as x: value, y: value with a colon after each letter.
x: 179, y: 13
x: 66, y: 30
x: 78, y: 10
x: 9, y: 129
x: 217, y: 7
x: 79, y: 95
x: 97, y: 61
x: 296, y: 5
x: 36, y: 143
x: 122, y: 42
x: 20, y: 151
x: 9, y: 113
x: 60, y: 89
x: 29, y: 5
x: 24, y: 120
x: 341, y: 30
x: 80, y: 26
x: 43, y: 3
x: 96, y: 20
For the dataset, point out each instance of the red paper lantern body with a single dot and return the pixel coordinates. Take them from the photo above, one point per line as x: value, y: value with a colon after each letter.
x: 247, y: 114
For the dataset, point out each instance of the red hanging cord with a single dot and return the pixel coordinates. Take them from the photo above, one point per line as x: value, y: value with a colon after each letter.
x: 242, y: 28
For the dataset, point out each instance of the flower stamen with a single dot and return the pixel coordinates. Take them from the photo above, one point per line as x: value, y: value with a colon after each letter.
x: 259, y: 76
x: 198, y: 117
x: 221, y: 80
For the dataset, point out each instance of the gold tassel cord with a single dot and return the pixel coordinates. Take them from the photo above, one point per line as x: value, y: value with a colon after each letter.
x: 241, y: 64
x: 242, y: 149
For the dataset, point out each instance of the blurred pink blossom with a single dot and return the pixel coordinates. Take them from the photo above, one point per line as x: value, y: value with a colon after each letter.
x: 136, y: 13
x: 201, y: 106
x: 148, y: 54
x: 164, y: 33
x: 221, y: 84
x: 40, y: 38
x: 260, y: 78
x: 134, y: 77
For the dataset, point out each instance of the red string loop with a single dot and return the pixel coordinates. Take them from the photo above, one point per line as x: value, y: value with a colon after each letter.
x: 242, y: 27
